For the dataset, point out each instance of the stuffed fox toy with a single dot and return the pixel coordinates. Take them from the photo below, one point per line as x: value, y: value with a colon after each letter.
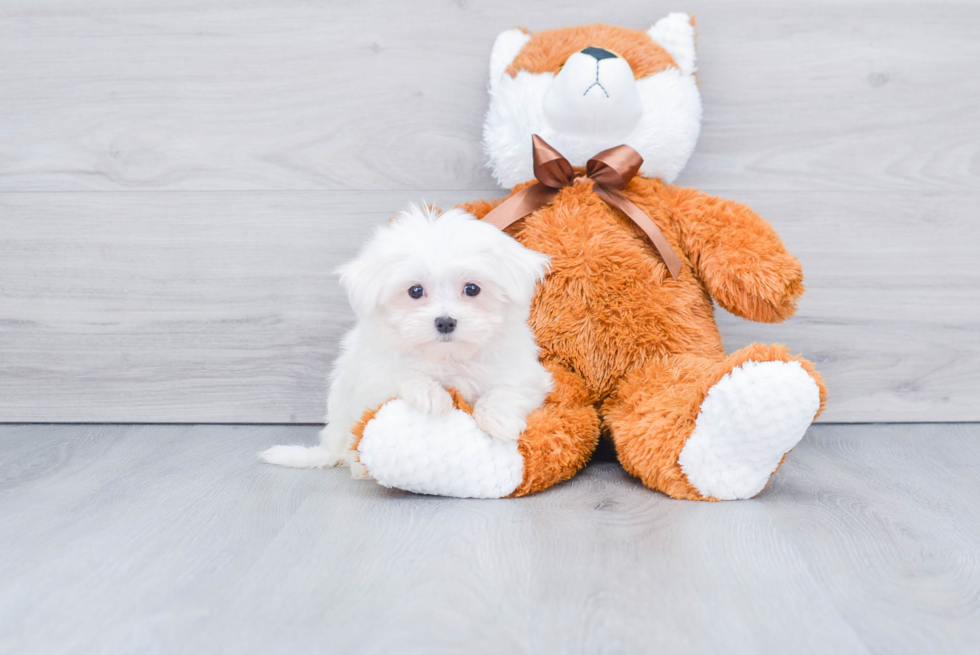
x: 625, y: 325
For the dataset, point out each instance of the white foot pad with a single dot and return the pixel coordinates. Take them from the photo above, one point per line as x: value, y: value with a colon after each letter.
x: 443, y: 455
x: 748, y: 421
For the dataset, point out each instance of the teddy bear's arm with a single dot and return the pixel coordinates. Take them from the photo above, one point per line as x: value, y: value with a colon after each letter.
x: 738, y: 255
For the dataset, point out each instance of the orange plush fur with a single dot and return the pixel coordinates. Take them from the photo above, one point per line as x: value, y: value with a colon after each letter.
x: 547, y: 51
x: 634, y: 351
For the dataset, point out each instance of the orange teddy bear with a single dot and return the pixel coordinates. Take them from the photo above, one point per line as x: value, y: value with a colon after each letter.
x: 624, y: 320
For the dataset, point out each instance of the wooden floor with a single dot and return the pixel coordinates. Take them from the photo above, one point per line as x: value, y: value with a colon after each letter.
x: 142, y: 539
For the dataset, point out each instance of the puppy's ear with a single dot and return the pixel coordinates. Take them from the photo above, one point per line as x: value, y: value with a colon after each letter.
x: 519, y: 269
x: 363, y: 280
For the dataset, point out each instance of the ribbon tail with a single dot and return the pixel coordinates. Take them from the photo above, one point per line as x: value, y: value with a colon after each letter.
x: 519, y: 205
x: 646, y: 224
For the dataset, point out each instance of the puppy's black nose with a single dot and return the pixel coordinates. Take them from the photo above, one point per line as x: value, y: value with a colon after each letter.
x: 598, y: 53
x: 445, y: 324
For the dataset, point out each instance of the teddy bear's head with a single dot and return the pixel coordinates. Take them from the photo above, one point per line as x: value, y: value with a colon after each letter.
x: 586, y: 89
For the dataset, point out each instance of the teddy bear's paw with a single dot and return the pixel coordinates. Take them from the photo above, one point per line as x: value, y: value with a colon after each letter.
x: 748, y: 421
x: 441, y: 455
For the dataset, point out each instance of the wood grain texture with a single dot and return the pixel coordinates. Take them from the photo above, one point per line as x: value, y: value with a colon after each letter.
x: 380, y: 95
x: 176, y: 539
x: 219, y: 307
x: 178, y: 179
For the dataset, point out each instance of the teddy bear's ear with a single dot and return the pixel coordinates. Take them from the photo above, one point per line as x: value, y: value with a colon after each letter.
x: 675, y: 32
x: 505, y: 48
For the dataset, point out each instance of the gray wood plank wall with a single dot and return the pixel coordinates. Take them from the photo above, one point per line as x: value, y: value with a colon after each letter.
x: 179, y: 178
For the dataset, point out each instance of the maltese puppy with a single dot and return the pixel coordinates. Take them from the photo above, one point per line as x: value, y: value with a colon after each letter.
x: 442, y: 300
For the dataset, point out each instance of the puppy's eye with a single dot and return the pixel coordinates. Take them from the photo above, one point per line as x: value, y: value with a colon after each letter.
x: 416, y: 291
x: 471, y: 289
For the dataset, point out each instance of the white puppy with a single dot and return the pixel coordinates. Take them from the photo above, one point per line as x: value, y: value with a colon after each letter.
x: 442, y: 300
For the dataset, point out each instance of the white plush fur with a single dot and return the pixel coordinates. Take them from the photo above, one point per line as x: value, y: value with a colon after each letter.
x: 675, y: 33
x: 505, y: 48
x: 395, y: 349
x: 748, y: 421
x: 662, y: 111
x: 444, y: 455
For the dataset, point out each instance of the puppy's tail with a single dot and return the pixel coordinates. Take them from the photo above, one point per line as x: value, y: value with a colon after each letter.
x: 301, y: 457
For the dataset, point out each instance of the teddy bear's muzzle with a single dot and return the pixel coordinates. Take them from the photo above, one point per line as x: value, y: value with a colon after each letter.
x: 593, y: 95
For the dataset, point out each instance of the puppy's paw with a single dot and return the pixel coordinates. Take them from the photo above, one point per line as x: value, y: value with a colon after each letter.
x: 358, y: 471
x: 426, y: 396
x: 498, y: 420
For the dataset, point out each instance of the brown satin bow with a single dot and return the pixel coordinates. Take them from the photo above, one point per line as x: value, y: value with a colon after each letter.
x: 610, y: 170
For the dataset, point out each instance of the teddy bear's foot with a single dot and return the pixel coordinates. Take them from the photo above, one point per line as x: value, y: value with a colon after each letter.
x: 449, y: 455
x: 440, y: 455
x: 748, y: 421
x: 703, y: 429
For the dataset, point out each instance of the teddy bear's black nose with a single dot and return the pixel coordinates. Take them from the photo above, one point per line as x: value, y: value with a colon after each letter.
x: 445, y: 324
x: 598, y: 53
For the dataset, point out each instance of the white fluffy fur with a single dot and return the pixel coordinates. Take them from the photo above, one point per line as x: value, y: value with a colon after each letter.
x: 505, y: 48
x: 664, y: 134
x: 675, y: 33
x: 395, y: 350
x: 748, y: 421
x: 445, y: 455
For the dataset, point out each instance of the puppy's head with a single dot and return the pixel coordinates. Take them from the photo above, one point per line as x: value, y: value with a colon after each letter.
x: 442, y: 284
